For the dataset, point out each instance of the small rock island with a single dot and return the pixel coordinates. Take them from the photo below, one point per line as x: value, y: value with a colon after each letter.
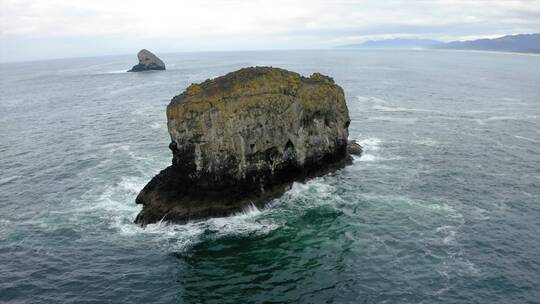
x: 147, y: 61
x: 243, y: 139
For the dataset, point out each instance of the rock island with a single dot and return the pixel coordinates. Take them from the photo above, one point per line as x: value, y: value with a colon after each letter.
x: 147, y: 61
x: 243, y: 139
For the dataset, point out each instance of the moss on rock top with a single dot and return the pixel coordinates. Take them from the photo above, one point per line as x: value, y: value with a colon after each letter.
x: 249, y: 82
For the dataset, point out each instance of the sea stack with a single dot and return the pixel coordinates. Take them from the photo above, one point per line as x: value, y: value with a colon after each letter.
x: 243, y: 139
x: 147, y: 61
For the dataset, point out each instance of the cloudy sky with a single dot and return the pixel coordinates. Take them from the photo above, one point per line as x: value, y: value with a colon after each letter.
x: 39, y: 29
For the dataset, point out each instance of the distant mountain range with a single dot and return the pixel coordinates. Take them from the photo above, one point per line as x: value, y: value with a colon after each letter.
x: 397, y: 43
x: 525, y: 43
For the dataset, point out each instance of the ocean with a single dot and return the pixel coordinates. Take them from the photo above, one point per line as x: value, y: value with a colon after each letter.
x: 443, y: 206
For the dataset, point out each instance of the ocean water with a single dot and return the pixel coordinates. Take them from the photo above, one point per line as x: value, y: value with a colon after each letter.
x: 443, y: 207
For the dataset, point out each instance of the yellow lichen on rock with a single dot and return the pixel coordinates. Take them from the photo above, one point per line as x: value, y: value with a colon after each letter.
x: 193, y: 89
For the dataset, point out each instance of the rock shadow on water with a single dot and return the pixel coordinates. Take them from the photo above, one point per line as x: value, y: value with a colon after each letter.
x: 274, y: 265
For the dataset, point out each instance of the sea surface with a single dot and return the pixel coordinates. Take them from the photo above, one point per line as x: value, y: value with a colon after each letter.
x: 443, y: 207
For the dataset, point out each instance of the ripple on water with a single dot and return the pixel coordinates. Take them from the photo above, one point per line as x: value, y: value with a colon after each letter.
x: 453, y: 221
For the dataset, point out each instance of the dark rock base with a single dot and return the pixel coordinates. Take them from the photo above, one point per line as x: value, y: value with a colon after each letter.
x: 354, y: 148
x: 146, y: 67
x: 172, y: 197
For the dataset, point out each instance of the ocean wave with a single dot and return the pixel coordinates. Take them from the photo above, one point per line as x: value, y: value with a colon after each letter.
x: 135, y: 156
x: 426, y: 141
x: 383, y: 106
x: 449, y: 232
x: 119, y: 197
x: 440, y: 223
x: 368, y: 158
x: 526, y: 138
x: 370, y: 146
x: 115, y: 72
x: 371, y: 99
x: 313, y: 187
x: 510, y: 99
x: 483, y: 121
x: 157, y: 125
x: 371, y: 143
x: 477, y: 213
x: 492, y: 118
x: 408, y: 204
x: 401, y: 109
x: 117, y: 147
x: 394, y: 119
x: 9, y: 179
x: 116, y: 208
x: 457, y: 266
x: 180, y: 238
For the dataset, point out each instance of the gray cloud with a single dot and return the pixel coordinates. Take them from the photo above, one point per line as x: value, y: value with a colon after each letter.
x: 85, y: 28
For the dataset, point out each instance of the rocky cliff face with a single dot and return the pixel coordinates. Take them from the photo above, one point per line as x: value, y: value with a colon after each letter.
x: 244, y: 138
x: 147, y: 61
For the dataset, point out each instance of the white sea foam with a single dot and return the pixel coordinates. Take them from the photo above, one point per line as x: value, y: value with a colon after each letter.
x: 371, y: 143
x: 119, y: 197
x: 182, y: 237
x: 117, y: 148
x: 313, y: 188
x: 370, y: 146
x: 116, y: 72
x: 115, y: 202
x: 117, y: 205
x: 368, y: 158
x: 428, y: 142
x: 250, y: 209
